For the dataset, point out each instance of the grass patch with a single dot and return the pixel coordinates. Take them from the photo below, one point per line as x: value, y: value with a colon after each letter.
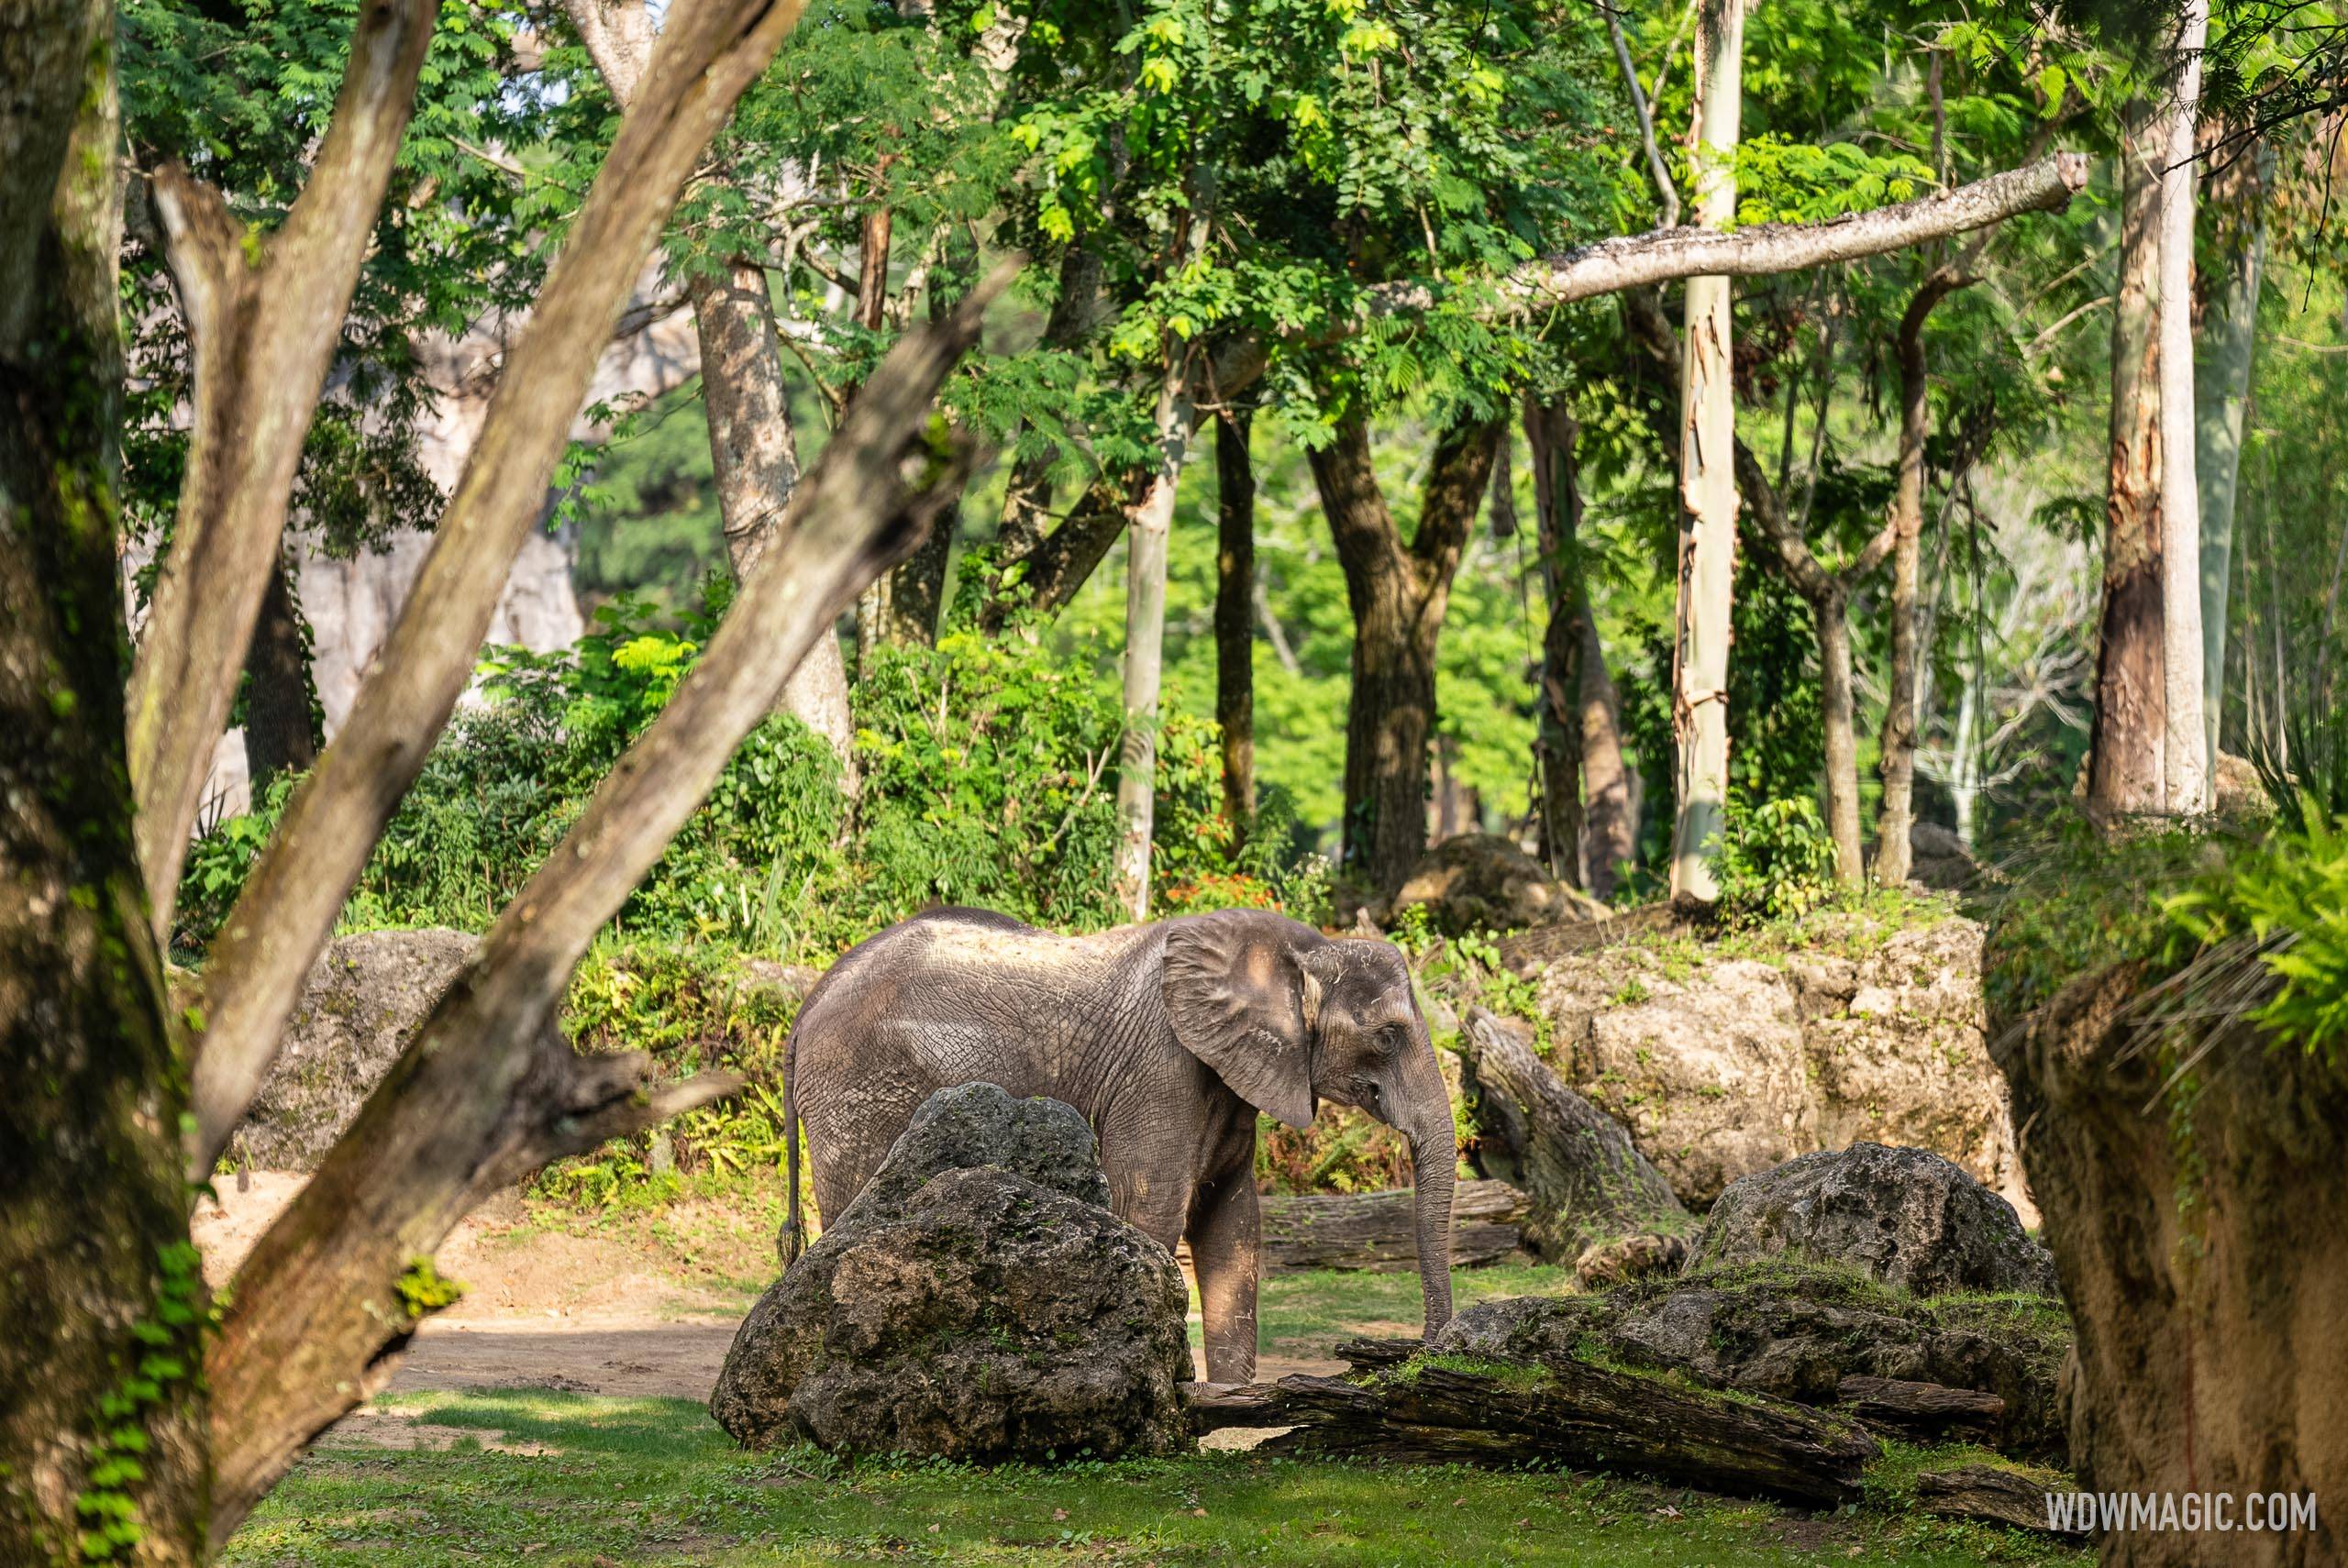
x: 635, y: 1482
x: 1304, y: 1314
x: 1890, y: 1481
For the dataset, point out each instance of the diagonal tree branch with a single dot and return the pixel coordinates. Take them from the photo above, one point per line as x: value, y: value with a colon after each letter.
x: 486, y: 1090
x: 707, y: 54
x: 262, y: 324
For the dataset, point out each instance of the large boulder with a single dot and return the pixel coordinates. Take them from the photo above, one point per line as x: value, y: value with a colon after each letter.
x: 1905, y: 1217
x: 363, y: 997
x: 977, y: 1301
x: 1480, y: 882
x: 1727, y: 1059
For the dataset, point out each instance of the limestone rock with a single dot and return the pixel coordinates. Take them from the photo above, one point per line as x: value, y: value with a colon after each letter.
x: 1905, y: 1217
x: 1722, y: 1067
x: 978, y: 1301
x: 364, y: 997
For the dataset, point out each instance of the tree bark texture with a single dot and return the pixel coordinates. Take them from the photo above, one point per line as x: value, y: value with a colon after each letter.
x: 1399, y: 593
x: 263, y: 315
x: 1550, y: 433
x: 2209, y: 1331
x: 1587, y: 1181
x: 1377, y: 1231
x: 1579, y: 1415
x: 487, y: 1090
x: 1896, y: 818
x: 2237, y: 201
x: 2126, y: 761
x: 753, y: 447
x: 2185, y: 762
x: 1150, y: 524
x: 280, y: 706
x: 1235, y: 617
x: 706, y: 57
x: 1707, y: 554
x: 94, y: 1242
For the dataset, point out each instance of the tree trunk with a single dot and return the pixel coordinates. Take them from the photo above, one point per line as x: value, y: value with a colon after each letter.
x: 280, y: 706
x: 2221, y: 396
x: 1707, y: 556
x: 1235, y: 619
x: 1587, y: 1181
x: 876, y: 617
x: 1550, y: 433
x: 1895, y: 819
x: 97, y: 1271
x: 1609, y: 789
x: 2126, y: 764
x: 754, y: 457
x: 2185, y: 762
x: 2209, y: 1347
x: 1151, y: 524
x: 1398, y: 594
x: 1832, y: 614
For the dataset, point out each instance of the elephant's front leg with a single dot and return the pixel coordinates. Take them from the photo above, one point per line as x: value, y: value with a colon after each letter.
x: 1226, y: 1249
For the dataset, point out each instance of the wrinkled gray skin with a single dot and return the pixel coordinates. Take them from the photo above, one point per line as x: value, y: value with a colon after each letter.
x: 1167, y: 1037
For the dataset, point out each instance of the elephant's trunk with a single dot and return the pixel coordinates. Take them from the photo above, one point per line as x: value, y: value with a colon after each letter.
x: 1434, y: 1158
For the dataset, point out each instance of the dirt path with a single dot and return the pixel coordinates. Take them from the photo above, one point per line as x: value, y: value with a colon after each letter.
x: 550, y: 1308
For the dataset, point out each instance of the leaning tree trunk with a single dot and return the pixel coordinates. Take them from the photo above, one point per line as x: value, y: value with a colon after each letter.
x: 2185, y: 762
x: 1707, y: 556
x: 95, y: 1268
x: 1895, y: 819
x: 1550, y: 433
x: 281, y: 730
x: 2125, y: 768
x: 2221, y: 398
x: 1587, y: 1181
x: 1398, y: 593
x: 2208, y: 1328
x: 1234, y: 618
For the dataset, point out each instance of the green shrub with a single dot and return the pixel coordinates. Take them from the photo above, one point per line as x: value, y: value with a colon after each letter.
x: 989, y: 777
x: 1776, y: 858
x: 2282, y: 900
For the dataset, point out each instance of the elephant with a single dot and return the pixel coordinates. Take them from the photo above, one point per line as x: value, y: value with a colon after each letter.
x: 1168, y: 1037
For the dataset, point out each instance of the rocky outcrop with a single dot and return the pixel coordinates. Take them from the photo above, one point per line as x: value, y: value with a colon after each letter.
x: 1905, y: 1217
x: 368, y: 992
x: 364, y: 997
x: 1725, y: 1059
x: 1481, y: 881
x: 1938, y: 859
x: 978, y: 1301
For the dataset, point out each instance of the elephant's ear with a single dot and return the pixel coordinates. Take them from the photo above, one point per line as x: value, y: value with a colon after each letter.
x: 1235, y: 987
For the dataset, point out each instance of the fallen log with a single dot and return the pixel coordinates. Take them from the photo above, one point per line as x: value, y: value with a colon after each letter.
x: 1579, y: 1415
x: 1923, y: 1410
x: 1986, y: 1492
x: 1215, y: 1406
x: 1377, y: 1231
x: 1587, y: 1181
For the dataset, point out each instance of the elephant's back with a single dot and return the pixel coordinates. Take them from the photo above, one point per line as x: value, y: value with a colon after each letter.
x: 962, y: 995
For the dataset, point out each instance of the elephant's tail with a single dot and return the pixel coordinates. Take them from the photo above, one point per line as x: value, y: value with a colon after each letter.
x: 792, y: 1242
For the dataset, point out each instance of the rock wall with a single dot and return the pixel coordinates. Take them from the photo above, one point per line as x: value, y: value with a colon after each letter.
x: 1724, y: 1060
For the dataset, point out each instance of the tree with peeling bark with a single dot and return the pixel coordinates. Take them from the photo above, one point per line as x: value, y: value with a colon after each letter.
x: 1708, y: 498
x: 97, y: 1257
